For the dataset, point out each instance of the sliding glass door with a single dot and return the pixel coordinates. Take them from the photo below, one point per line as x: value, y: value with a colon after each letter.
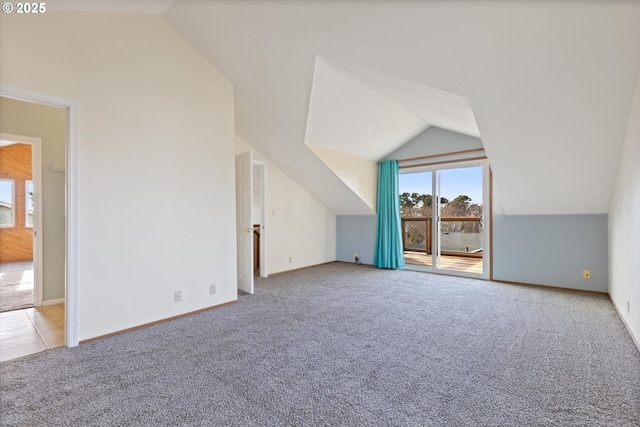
x: 443, y: 218
x: 460, y: 219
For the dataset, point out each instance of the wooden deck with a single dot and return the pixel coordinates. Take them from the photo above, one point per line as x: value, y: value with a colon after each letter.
x: 447, y: 262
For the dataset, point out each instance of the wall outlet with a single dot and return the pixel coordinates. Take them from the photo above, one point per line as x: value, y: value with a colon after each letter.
x: 177, y: 296
x: 355, y: 255
x: 628, y: 307
x: 290, y: 260
x: 212, y: 289
x: 586, y: 274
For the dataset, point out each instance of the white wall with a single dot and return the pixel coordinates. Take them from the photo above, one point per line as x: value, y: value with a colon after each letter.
x: 156, y: 167
x: 50, y: 125
x: 624, y: 226
x: 298, y: 226
x: 359, y: 174
x: 434, y: 141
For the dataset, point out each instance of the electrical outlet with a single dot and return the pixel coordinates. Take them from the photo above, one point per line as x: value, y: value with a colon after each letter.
x: 177, y: 296
x: 290, y: 260
x: 355, y: 255
x: 628, y: 307
x: 586, y: 274
x: 212, y: 289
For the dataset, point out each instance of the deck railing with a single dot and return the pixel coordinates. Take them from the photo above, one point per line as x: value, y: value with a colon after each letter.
x: 461, y: 235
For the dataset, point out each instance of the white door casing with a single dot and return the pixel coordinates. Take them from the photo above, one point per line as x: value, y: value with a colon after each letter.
x: 260, y: 167
x: 244, y: 225
x: 71, y: 324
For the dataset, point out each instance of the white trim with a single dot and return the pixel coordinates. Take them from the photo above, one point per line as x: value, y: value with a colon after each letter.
x: 624, y: 322
x: 71, y: 245
x: 53, y: 301
x: 435, y: 225
x: 36, y: 177
x: 72, y: 300
x: 486, y: 221
x: 263, y: 216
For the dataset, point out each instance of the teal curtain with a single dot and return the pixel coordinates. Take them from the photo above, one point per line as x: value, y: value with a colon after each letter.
x: 389, y: 252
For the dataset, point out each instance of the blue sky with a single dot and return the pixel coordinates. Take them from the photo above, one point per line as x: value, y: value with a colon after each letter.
x: 6, y: 191
x: 454, y: 183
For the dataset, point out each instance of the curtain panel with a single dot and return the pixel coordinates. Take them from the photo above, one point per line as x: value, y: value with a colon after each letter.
x: 389, y: 253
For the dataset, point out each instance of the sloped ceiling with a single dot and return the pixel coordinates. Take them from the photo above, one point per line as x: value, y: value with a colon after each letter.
x: 369, y: 114
x: 550, y: 85
x: 437, y: 107
x: 349, y: 116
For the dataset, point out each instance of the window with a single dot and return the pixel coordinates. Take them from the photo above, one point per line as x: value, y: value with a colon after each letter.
x: 7, y: 211
x: 28, y: 220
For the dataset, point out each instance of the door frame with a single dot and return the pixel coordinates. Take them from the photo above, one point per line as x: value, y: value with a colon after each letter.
x: 262, y: 168
x: 486, y: 226
x: 71, y: 306
x: 36, y: 178
x: 258, y: 167
x: 244, y: 221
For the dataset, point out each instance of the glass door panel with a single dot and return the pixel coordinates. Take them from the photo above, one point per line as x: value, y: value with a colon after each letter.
x: 459, y: 240
x: 416, y: 212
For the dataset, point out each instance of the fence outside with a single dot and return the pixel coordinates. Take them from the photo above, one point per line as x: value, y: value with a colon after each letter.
x: 461, y: 236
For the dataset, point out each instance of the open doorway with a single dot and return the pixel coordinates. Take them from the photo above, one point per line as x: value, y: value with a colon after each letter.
x: 40, y: 198
x: 251, y: 230
x: 70, y: 200
x: 259, y: 217
x: 20, y: 222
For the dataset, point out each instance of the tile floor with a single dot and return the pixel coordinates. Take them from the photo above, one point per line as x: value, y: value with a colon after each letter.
x: 31, y: 330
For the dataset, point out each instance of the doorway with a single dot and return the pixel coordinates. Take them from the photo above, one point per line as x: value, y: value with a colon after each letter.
x: 443, y: 218
x: 259, y: 210
x: 20, y: 222
x: 70, y: 203
x: 251, y: 230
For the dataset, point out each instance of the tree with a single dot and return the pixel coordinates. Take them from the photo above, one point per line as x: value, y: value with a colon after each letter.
x: 463, y: 198
x: 405, y: 200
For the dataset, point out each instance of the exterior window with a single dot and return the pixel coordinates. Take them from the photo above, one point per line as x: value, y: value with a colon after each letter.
x: 28, y: 221
x: 7, y: 211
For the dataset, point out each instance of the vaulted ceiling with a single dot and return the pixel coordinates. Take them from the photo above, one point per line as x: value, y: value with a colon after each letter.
x: 547, y: 86
x: 369, y: 114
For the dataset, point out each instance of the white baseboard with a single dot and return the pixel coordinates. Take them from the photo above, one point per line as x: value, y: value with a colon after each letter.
x: 53, y: 301
x: 624, y: 322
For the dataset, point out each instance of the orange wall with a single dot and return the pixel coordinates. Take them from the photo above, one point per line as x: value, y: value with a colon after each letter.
x: 16, y: 243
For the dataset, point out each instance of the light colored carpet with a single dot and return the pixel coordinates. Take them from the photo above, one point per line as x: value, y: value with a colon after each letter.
x: 16, y: 285
x: 346, y: 345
